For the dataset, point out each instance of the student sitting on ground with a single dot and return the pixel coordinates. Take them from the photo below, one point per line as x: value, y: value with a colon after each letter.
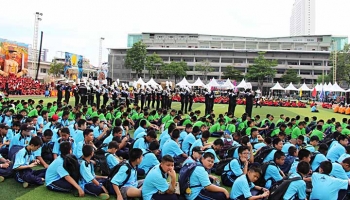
x: 314, y: 108
x: 290, y: 157
x: 20, y: 140
x: 327, y: 187
x: 337, y: 149
x: 24, y: 162
x: 202, y: 142
x: 124, y: 183
x: 5, y: 168
x: 143, y: 142
x: 298, y: 187
x: 236, y: 167
x: 149, y: 158
x: 313, y: 144
x: 345, y: 155
x: 205, y: 190
x: 245, y: 183
x: 88, y: 140
x: 44, y: 153
x: 189, y: 140
x: 303, y: 155
x: 111, y: 158
x: 341, y: 170
x: 273, y: 172
x: 278, y: 145
x: 57, y: 177
x: 155, y: 185
x: 65, y: 137
x: 89, y: 182
x: 172, y: 148
x: 195, y: 156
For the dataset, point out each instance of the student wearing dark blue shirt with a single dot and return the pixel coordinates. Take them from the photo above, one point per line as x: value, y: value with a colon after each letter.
x: 243, y: 185
x: 91, y: 183
x: 25, y: 161
x: 57, y: 178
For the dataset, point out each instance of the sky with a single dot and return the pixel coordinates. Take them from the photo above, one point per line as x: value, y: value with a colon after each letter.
x: 77, y: 25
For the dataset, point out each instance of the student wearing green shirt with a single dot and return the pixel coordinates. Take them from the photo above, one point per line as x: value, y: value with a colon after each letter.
x: 190, y: 121
x: 280, y: 120
x: 53, y: 107
x: 35, y: 112
x: 119, y: 112
x: 344, y: 123
x: 199, y: 123
x: 282, y: 129
x: 231, y: 126
x: 318, y: 132
x: 297, y: 130
x: 346, y: 131
x: 228, y: 117
x: 136, y: 115
x: 175, y: 121
x: 216, y: 130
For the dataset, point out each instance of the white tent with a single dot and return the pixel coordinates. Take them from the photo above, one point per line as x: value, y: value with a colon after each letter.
x: 304, y: 88
x: 213, y: 83
x: 152, y: 83
x: 337, y: 88
x: 242, y: 84
x: 140, y: 81
x: 319, y: 87
x: 347, y: 90
x: 228, y: 84
x: 198, y: 83
x: 328, y: 87
x: 291, y: 87
x: 277, y: 86
x: 183, y: 83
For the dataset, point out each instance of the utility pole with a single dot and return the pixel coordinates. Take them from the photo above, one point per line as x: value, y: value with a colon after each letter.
x: 334, y: 62
x: 38, y: 17
x: 100, y: 53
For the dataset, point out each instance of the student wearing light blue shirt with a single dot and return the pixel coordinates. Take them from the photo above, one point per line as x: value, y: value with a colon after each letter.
x: 202, y: 142
x: 124, y: 182
x: 341, y: 170
x: 20, y: 140
x: 326, y: 187
x: 273, y: 173
x: 142, y: 128
x: 337, y: 149
x: 345, y: 155
x: 200, y: 177
x: 111, y: 158
x: 303, y: 155
x: 65, y: 137
x: 245, y: 183
x: 15, y: 129
x: 166, y: 136
x: 89, y: 182
x: 78, y: 134
x: 172, y: 148
x: 155, y: 185
x: 184, y: 133
x: 88, y: 140
x: 149, y: 158
x: 143, y: 143
x: 57, y: 178
x: 7, y: 118
x: 195, y: 156
x: 25, y: 161
x: 298, y: 187
x: 236, y: 167
x: 278, y: 145
x: 64, y: 121
x: 189, y: 140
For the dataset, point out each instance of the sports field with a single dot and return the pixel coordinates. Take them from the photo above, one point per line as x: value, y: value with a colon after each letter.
x: 9, y: 189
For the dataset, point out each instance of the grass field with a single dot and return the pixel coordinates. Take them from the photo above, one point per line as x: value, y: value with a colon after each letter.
x: 9, y: 189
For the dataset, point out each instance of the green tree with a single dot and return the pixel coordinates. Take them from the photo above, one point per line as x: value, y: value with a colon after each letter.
x: 261, y: 69
x: 152, y: 63
x: 291, y: 75
x: 343, y: 65
x: 204, y: 67
x: 324, y: 78
x: 56, y: 69
x: 176, y: 69
x: 232, y: 73
x: 136, y: 57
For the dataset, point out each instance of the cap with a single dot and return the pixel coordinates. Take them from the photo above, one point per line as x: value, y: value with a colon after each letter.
x: 55, y: 117
x: 3, y: 125
x: 25, y: 126
x: 197, y: 149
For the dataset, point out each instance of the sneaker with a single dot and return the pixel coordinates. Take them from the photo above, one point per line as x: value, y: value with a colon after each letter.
x: 104, y: 196
x: 2, y: 179
x: 25, y: 184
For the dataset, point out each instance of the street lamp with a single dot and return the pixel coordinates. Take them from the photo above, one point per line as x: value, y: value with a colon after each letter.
x: 38, y: 17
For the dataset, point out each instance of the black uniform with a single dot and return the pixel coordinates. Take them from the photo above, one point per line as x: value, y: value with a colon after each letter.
x: 143, y: 96
x: 76, y: 95
x: 169, y: 100
x: 249, y: 98
x: 149, y: 97
x: 190, y: 99
x: 91, y: 95
x: 59, y: 88
x: 159, y: 94
x: 182, y: 95
x: 105, y: 96
x: 67, y: 90
x: 98, y: 97
x: 207, y: 104
x: 83, y: 94
x: 211, y: 101
x: 232, y: 102
x: 136, y: 95
x: 186, y: 101
x: 153, y: 98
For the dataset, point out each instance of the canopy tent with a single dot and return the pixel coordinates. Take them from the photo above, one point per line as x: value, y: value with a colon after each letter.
x: 337, y: 88
x: 228, y: 84
x: 277, y: 86
x: 152, y: 83
x: 347, y: 90
x: 198, y: 83
x: 242, y: 84
x: 183, y: 83
x: 327, y: 87
x: 213, y: 83
x: 140, y: 81
x: 291, y: 87
x: 319, y: 87
x: 304, y: 88
x: 258, y: 91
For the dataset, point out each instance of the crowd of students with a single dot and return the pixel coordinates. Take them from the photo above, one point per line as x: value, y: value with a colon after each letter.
x: 21, y: 85
x: 115, y: 150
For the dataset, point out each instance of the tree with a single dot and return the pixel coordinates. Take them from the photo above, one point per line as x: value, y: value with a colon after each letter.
x: 152, y: 63
x: 324, y: 78
x: 232, y: 73
x: 56, y: 68
x: 205, y: 68
x: 290, y: 76
x: 343, y: 65
x: 176, y: 69
x: 136, y: 57
x: 261, y: 69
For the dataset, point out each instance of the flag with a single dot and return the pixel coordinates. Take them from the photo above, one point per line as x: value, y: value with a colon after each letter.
x: 321, y: 94
x: 300, y: 93
x: 314, y: 93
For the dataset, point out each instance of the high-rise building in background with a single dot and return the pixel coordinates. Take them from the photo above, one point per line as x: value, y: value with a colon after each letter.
x: 302, y: 20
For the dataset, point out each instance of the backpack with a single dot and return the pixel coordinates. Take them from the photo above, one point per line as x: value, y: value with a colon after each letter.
x: 231, y: 151
x: 328, y: 131
x: 221, y: 166
x: 261, y: 181
x: 313, y: 156
x: 227, y: 145
x: 71, y: 165
x: 277, y: 191
x: 100, y: 156
x: 115, y: 170
x: 184, y: 178
x: 262, y: 154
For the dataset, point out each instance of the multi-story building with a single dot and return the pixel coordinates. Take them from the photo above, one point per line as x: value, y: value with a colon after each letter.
x: 309, y: 55
x: 302, y: 20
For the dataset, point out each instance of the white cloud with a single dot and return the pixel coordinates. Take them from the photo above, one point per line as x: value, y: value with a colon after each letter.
x: 76, y: 25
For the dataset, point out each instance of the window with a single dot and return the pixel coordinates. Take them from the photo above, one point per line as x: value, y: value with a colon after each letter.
x: 43, y: 70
